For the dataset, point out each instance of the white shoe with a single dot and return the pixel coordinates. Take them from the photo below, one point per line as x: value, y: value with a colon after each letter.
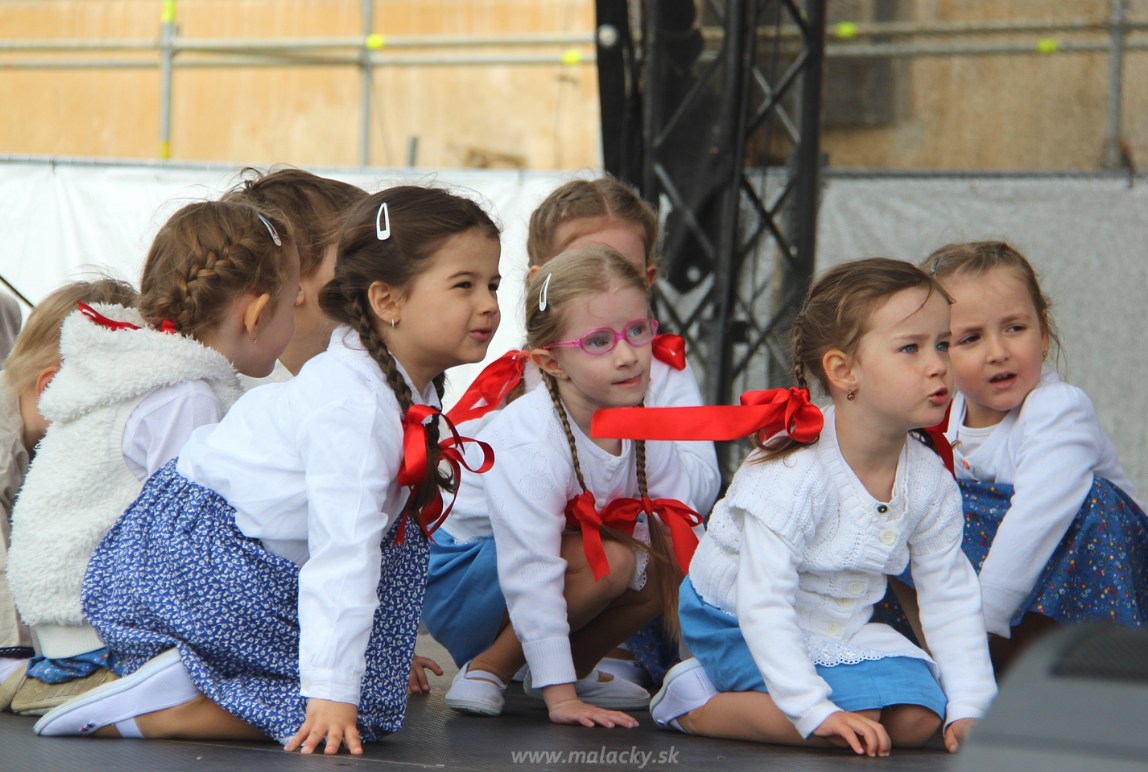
x: 476, y: 691
x: 614, y: 693
x: 627, y: 669
x: 520, y: 676
x: 686, y: 688
x: 161, y: 683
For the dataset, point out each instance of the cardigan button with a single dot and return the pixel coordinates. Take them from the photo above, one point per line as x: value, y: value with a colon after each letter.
x: 834, y: 628
x: 844, y: 602
x: 888, y: 537
x: 856, y: 588
x: 882, y: 508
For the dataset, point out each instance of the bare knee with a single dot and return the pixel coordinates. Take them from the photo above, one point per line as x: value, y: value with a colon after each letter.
x: 619, y: 556
x: 910, y: 726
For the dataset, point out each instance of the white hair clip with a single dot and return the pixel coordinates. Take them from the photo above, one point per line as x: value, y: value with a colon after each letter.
x: 271, y: 230
x: 383, y: 232
x: 545, y: 291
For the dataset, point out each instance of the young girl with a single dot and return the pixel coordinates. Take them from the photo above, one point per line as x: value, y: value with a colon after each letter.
x: 292, y: 513
x: 779, y: 595
x: 215, y: 297
x: 580, y: 562
x: 1051, y: 519
x: 316, y: 207
x: 27, y: 371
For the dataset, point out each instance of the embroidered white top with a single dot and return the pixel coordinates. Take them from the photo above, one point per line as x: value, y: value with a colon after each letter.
x: 798, y: 551
x: 1048, y: 449
x: 311, y: 467
x: 668, y: 388
x: 522, y: 501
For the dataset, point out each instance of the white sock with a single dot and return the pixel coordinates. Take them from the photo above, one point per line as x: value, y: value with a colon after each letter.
x: 128, y: 729
x: 8, y: 666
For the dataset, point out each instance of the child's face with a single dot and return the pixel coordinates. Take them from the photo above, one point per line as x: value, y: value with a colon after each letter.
x: 998, y: 343
x: 901, y: 365
x: 624, y: 238
x: 617, y: 378
x: 275, y: 336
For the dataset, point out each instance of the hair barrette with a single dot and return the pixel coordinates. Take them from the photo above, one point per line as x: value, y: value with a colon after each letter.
x: 383, y: 232
x: 271, y: 230
x: 936, y: 262
x: 542, y: 296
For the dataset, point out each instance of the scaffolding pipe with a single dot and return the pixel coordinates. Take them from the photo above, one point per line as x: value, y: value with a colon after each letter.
x: 848, y: 30
x: 365, y: 86
x: 565, y: 59
x: 280, y: 44
x: 1112, y: 155
x: 167, y: 36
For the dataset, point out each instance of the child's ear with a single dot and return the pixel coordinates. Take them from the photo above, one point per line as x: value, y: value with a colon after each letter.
x: 838, y: 367
x: 545, y: 361
x: 386, y: 302
x: 651, y: 274
x: 253, y: 314
x: 44, y: 378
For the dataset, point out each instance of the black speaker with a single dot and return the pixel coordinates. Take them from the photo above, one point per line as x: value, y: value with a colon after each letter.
x: 1078, y: 700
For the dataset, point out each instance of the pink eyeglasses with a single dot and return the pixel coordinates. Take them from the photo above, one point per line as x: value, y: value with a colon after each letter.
x: 603, y: 340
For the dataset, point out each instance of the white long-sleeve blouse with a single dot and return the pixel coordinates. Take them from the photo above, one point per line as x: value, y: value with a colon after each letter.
x: 311, y: 467
x: 799, y: 551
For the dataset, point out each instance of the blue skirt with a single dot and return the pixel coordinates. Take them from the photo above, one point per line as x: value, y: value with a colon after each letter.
x: 715, y: 638
x: 654, y: 650
x: 464, y: 604
x: 1098, y: 573
x: 175, y: 571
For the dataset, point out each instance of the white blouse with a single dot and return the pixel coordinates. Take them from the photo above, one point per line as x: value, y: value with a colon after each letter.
x: 522, y: 502
x: 162, y: 423
x: 311, y: 467
x: 799, y: 552
x: 1049, y: 449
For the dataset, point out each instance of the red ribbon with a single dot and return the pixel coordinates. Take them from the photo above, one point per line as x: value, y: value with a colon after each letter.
x: 413, y: 471
x: 941, y: 442
x: 765, y: 413
x: 670, y: 349
x: 112, y: 324
x: 490, y: 387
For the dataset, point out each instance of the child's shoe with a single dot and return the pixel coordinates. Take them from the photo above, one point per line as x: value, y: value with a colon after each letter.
x: 11, y: 678
x: 161, y: 683
x: 602, y: 690
x: 686, y: 688
x: 476, y: 691
x: 35, y: 698
x: 626, y: 669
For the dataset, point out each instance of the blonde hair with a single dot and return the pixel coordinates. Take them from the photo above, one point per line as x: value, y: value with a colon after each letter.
x: 575, y: 274
x: 205, y: 255
x: 38, y: 345
x: 605, y: 197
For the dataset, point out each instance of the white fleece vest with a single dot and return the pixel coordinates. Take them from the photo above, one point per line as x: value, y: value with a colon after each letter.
x: 79, y: 484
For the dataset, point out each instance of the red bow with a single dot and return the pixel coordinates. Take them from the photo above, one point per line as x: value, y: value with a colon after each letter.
x: 941, y: 442
x: 670, y: 349
x: 765, y: 413
x: 412, y: 473
x: 491, y: 387
x: 112, y: 324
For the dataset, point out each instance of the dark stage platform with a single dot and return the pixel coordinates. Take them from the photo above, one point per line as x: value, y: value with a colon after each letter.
x: 435, y: 737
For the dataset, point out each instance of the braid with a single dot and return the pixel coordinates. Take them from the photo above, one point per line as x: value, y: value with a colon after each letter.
x: 552, y: 387
x: 640, y: 460
x: 799, y: 355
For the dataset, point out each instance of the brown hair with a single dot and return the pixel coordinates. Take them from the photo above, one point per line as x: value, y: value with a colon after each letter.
x: 315, y: 206
x: 575, y: 274
x: 589, y: 199
x: 422, y: 219
x: 205, y: 255
x: 976, y: 258
x: 836, y: 315
x: 38, y: 345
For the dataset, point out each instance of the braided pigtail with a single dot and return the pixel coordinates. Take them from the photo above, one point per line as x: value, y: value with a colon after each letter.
x: 552, y: 387
x: 773, y: 448
x: 663, y: 568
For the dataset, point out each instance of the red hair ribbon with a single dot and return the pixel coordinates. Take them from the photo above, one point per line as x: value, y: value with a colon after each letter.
x: 670, y: 349
x: 112, y: 324
x: 764, y: 413
x: 412, y: 472
x: 941, y: 442
x: 490, y: 387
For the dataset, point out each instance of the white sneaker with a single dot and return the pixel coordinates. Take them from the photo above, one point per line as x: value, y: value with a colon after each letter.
x: 686, y: 688
x: 476, y: 691
x: 161, y: 683
x: 614, y: 693
x: 627, y: 669
x: 520, y: 676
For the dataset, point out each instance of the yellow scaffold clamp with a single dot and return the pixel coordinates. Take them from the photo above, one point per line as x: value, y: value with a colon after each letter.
x: 846, y: 30
x: 1048, y: 45
x: 167, y: 15
x: 571, y: 56
x: 375, y: 42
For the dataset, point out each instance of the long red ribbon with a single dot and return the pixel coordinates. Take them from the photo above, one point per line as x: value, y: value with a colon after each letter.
x: 941, y: 442
x: 111, y: 324
x: 412, y: 472
x: 490, y: 387
x: 670, y: 349
x: 765, y: 413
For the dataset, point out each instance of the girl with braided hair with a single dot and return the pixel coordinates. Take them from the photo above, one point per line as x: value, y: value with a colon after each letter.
x: 269, y: 583
x: 557, y: 556
x: 215, y: 298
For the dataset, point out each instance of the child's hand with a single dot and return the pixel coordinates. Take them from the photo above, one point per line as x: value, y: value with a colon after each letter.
x: 851, y: 729
x: 957, y: 733
x: 334, y: 721
x: 565, y: 708
x: 419, y: 682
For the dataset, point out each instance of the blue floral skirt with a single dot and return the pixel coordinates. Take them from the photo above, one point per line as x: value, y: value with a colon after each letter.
x: 464, y: 602
x: 654, y: 650
x: 1098, y: 573
x: 175, y: 571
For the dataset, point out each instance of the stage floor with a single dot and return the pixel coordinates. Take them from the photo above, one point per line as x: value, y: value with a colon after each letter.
x: 435, y: 737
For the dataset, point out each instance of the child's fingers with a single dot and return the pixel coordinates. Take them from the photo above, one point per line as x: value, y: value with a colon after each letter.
x: 334, y: 739
x: 434, y: 667
x: 313, y: 739
x: 294, y: 742
x: 850, y: 736
x: 951, y: 742
x: 352, y: 741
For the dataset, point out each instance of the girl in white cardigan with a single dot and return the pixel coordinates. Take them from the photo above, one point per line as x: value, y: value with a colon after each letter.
x: 269, y: 581
x: 216, y: 295
x: 1052, y: 522
x: 777, y: 605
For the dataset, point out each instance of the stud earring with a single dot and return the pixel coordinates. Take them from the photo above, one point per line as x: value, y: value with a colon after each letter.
x: 392, y: 323
x: 851, y: 396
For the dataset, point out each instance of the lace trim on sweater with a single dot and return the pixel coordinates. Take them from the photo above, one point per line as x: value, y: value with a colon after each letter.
x: 830, y: 653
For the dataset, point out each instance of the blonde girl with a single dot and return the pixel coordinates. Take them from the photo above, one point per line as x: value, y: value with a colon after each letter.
x: 777, y: 605
x: 304, y: 513
x: 215, y: 297
x: 552, y: 560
